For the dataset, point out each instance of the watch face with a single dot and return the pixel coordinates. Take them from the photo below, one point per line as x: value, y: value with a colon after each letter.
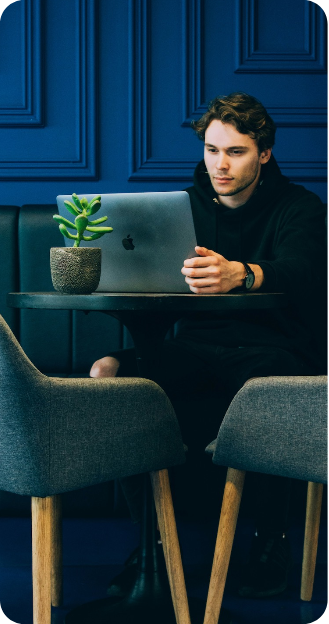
x: 249, y: 281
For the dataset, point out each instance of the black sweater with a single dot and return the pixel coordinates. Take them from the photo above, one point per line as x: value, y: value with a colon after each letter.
x: 282, y: 229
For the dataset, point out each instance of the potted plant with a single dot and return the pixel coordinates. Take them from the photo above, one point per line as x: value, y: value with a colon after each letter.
x: 77, y: 270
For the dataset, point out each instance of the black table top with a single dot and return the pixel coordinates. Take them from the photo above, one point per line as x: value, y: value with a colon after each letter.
x: 146, y: 301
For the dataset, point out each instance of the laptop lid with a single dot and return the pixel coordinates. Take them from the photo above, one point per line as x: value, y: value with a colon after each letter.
x: 153, y: 233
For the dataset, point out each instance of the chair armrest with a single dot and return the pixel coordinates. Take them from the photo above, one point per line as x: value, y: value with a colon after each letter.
x: 102, y: 429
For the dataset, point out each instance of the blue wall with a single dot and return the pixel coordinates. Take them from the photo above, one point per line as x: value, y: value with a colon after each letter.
x: 97, y: 95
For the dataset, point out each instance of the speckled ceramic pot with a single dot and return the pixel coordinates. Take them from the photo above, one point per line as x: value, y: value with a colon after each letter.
x: 75, y: 270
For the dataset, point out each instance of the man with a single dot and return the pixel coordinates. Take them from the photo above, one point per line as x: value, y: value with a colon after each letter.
x: 256, y: 232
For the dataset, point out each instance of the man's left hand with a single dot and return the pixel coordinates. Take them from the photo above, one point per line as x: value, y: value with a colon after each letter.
x: 212, y: 273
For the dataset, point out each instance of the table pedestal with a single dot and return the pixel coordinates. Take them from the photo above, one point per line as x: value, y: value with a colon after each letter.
x: 149, y: 599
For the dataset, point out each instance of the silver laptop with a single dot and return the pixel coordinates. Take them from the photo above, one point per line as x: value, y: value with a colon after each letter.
x: 153, y: 233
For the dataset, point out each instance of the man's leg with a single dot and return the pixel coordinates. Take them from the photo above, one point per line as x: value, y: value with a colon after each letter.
x: 183, y: 376
x: 105, y: 367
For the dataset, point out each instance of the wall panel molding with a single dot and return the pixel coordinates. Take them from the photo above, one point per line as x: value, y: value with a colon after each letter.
x: 142, y: 165
x: 84, y: 165
x: 28, y: 112
x: 139, y: 85
x: 252, y: 60
x: 194, y: 104
x: 304, y: 171
x: 193, y: 60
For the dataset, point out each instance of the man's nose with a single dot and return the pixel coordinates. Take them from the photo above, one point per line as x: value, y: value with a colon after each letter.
x: 222, y: 162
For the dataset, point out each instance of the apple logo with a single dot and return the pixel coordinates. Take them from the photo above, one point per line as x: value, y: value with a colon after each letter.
x: 128, y: 243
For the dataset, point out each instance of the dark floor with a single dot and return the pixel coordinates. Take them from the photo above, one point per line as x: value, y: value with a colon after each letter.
x: 94, y: 550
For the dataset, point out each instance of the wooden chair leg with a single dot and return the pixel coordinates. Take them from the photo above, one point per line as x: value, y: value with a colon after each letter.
x: 226, y: 530
x: 312, y: 524
x: 41, y: 554
x: 56, y: 551
x: 169, y: 537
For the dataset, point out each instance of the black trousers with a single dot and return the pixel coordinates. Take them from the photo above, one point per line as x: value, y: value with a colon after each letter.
x: 201, y: 381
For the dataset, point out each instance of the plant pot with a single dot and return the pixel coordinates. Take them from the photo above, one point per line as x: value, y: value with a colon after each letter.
x: 75, y: 270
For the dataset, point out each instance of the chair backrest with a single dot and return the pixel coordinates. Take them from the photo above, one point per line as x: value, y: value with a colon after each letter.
x: 277, y: 425
x: 15, y: 366
x: 58, y: 435
x: 24, y: 444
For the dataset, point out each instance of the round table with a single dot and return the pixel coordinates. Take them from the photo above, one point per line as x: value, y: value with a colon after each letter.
x: 148, y: 316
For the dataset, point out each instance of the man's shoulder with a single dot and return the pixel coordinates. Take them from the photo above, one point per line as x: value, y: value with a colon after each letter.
x: 197, y: 200
x: 296, y: 195
x: 190, y: 189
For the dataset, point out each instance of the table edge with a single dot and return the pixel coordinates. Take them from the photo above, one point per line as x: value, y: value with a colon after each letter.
x: 152, y: 301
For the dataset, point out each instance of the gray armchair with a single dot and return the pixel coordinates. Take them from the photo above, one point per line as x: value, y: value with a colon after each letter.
x: 274, y: 425
x: 58, y: 435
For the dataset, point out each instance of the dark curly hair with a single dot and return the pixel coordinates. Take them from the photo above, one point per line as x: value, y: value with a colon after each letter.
x: 245, y: 113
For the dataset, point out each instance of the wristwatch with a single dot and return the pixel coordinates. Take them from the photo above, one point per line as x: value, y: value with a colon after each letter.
x: 249, y: 279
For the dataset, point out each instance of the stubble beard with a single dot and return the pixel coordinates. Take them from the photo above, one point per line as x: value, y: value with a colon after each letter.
x: 239, y: 189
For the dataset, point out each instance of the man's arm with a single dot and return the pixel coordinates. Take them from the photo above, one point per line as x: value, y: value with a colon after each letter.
x: 298, y: 259
x: 211, y: 273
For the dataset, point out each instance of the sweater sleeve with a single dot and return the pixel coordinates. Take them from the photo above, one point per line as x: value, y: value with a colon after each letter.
x: 299, y: 249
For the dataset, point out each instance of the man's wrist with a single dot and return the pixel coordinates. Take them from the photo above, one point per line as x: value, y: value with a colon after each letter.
x: 241, y: 274
x: 259, y: 276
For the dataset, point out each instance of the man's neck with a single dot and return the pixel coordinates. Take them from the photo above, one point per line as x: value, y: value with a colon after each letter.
x: 234, y: 201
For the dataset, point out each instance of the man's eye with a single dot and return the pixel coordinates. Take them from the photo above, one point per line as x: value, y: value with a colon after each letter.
x: 236, y: 152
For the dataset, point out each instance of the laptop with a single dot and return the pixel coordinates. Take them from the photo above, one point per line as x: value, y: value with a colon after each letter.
x: 153, y: 233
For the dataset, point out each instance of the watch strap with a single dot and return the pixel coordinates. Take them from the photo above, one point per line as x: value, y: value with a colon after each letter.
x: 249, y: 271
x: 247, y: 267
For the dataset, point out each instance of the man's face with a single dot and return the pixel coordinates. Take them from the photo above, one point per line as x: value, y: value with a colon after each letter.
x: 233, y: 162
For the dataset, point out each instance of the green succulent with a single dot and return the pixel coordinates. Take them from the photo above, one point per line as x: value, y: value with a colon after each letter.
x: 81, y: 209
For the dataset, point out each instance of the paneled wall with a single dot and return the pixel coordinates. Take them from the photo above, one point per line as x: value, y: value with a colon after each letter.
x: 98, y: 95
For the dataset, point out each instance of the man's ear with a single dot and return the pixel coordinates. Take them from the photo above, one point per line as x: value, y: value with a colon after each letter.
x: 265, y: 156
